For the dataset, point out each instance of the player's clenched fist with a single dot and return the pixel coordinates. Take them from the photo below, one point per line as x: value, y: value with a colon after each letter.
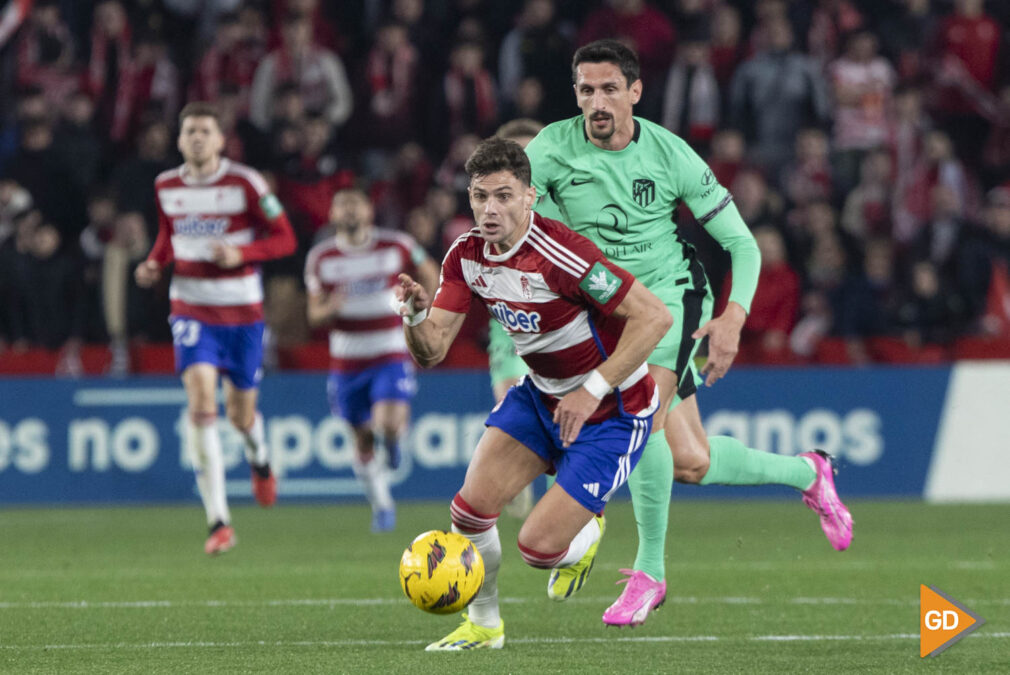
x: 147, y: 273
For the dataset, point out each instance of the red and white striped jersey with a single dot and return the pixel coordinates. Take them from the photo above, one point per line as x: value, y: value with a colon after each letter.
x: 553, y: 292
x: 366, y: 331
x: 233, y: 206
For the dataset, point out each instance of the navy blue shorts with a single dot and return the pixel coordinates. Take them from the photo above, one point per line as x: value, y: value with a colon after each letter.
x: 590, y: 469
x: 352, y: 394
x: 235, y: 350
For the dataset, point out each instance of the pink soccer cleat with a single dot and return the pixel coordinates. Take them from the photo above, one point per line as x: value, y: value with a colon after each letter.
x: 642, y: 595
x: 221, y: 540
x: 836, y: 521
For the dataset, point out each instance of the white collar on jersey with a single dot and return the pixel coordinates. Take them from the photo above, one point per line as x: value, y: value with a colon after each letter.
x: 512, y: 251
x: 344, y: 245
x: 190, y: 179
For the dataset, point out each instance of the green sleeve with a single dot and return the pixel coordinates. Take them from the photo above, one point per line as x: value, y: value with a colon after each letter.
x: 541, y: 170
x: 728, y: 228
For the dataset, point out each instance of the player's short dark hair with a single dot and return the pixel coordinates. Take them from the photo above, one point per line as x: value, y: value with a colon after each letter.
x: 499, y: 154
x: 609, y: 51
x: 518, y: 128
x: 200, y: 109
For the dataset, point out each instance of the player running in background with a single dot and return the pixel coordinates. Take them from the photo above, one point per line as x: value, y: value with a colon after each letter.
x: 217, y: 221
x: 349, y: 278
x: 584, y: 327
x: 618, y: 180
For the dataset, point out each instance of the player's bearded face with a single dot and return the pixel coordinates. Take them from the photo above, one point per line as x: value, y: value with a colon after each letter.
x: 350, y: 213
x: 501, y: 206
x: 605, y: 98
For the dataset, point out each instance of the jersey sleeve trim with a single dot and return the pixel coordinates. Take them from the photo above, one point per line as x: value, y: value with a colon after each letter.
x: 704, y: 220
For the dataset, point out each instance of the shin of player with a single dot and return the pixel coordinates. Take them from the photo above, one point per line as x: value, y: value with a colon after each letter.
x: 585, y: 408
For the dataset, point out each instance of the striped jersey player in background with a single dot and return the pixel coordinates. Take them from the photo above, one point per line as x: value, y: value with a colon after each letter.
x: 217, y: 221
x: 349, y: 278
x: 584, y: 327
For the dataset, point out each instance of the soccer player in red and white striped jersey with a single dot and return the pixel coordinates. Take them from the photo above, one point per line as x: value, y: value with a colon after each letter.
x: 218, y: 221
x: 350, y: 279
x: 584, y: 327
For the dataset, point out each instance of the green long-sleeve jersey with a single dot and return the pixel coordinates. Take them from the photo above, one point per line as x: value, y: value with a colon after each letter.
x: 625, y: 201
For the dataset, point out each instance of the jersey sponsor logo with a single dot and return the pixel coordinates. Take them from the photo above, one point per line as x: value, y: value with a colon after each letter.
x: 592, y: 488
x: 271, y: 206
x: 600, y: 283
x: 582, y: 181
x: 708, y: 177
x: 516, y: 320
x: 612, y: 223
x: 643, y: 190
x: 200, y: 226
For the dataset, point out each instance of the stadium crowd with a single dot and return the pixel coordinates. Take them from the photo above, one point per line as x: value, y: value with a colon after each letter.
x: 866, y: 143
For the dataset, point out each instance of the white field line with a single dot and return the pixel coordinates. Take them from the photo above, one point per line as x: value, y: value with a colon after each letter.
x: 520, y: 641
x: 366, y: 602
x: 130, y: 396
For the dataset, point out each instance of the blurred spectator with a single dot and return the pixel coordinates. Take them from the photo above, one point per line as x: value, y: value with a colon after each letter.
x: 40, y: 169
x: 402, y: 187
x: 469, y: 104
x: 450, y: 174
x: 79, y: 143
x: 14, y: 201
x: 814, y: 324
x: 423, y: 227
x: 869, y: 299
x: 691, y: 96
x: 776, y: 303
x: 862, y: 83
x: 938, y: 166
x: 45, y: 56
x: 128, y: 309
x: 774, y: 93
x: 15, y: 277
x: 389, y: 118
x: 728, y: 151
x: 531, y: 101
x: 645, y: 29
x: 996, y: 154
x: 148, y: 90
x: 727, y: 49
x: 310, y: 176
x: 983, y: 267
x: 830, y: 21
x: 11, y: 17
x: 931, y: 313
x: 867, y: 208
x: 231, y: 59
x: 809, y: 176
x: 910, y: 124
x: 967, y: 49
x: 539, y: 47
x: 111, y: 47
x: 907, y: 26
x: 318, y: 73
x: 198, y: 19
x: 52, y: 283
x: 132, y: 180
x: 756, y: 203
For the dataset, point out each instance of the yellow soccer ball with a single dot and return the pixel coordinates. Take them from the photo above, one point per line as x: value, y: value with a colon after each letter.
x: 441, y: 572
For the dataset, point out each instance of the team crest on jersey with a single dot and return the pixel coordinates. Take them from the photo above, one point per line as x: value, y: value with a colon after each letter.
x: 644, y: 191
x: 524, y: 286
x: 600, y: 283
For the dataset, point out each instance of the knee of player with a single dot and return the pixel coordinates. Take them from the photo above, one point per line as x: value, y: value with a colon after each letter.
x: 539, y: 552
x: 467, y: 518
x: 691, y: 471
x: 241, y: 419
x: 202, y: 418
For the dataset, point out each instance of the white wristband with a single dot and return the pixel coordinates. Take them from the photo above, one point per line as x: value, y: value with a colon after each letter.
x: 416, y: 318
x: 412, y: 317
x: 596, y: 385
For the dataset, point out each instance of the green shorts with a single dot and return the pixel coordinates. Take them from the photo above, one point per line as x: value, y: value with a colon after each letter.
x: 503, y: 361
x: 689, y: 299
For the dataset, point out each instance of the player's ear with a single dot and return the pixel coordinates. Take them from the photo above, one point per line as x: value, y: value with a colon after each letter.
x: 531, y: 197
x: 636, y: 91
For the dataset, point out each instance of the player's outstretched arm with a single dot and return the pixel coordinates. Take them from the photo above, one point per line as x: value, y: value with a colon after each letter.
x: 648, y: 320
x: 429, y: 330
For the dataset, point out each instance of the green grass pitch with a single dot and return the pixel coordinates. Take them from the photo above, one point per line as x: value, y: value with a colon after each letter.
x: 754, y: 588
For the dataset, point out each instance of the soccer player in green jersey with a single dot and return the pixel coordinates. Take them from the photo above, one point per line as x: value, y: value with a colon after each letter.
x: 618, y: 179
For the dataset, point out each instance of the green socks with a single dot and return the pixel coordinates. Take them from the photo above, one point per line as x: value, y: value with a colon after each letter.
x: 650, y: 484
x: 733, y: 463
